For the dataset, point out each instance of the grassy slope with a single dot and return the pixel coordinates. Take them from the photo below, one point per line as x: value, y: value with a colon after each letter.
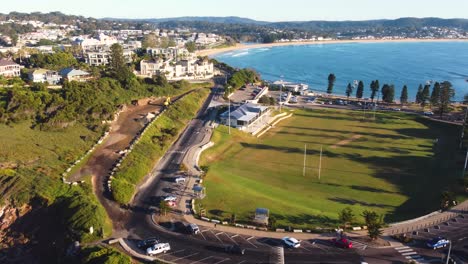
x: 148, y: 150
x: 41, y: 157
x: 391, y: 169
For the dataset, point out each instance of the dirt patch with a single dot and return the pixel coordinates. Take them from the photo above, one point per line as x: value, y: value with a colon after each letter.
x: 346, y: 141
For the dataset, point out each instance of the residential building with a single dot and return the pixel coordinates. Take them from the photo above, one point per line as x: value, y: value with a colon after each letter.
x: 244, y: 116
x: 71, y: 74
x: 96, y: 44
x: 98, y: 58
x: 184, y: 69
x: 9, y: 68
x: 43, y: 75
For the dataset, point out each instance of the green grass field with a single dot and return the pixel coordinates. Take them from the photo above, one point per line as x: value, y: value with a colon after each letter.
x: 393, y: 166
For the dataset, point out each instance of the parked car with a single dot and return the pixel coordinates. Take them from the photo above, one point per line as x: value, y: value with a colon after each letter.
x: 180, y: 179
x: 342, y: 243
x: 291, y: 242
x: 158, y: 248
x: 428, y: 113
x: 147, y: 242
x: 170, y: 198
x: 234, y: 249
x: 438, y: 242
x: 193, y: 229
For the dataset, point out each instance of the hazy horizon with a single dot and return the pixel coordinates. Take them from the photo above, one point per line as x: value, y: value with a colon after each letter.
x: 277, y: 10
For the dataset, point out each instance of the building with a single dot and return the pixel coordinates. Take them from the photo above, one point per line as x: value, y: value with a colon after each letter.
x: 43, y: 75
x: 190, y: 69
x: 9, y: 68
x: 71, y: 74
x: 244, y: 116
x: 98, y: 58
x: 292, y: 87
x: 96, y: 44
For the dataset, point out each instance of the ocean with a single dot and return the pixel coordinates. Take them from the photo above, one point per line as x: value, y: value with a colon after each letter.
x: 397, y: 63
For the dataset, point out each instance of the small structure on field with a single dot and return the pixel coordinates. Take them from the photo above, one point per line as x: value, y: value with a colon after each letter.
x: 261, y: 216
x: 199, y: 191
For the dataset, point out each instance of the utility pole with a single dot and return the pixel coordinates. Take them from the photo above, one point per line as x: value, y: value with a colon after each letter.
x: 466, y: 163
x: 463, y: 128
x: 305, y: 155
x: 229, y: 110
x: 281, y: 96
x: 320, y: 163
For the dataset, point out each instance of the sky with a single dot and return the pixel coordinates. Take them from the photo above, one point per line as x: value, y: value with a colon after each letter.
x: 265, y: 10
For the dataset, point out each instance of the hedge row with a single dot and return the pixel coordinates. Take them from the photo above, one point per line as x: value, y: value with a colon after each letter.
x: 153, y: 144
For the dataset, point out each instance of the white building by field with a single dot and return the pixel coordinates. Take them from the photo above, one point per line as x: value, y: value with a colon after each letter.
x: 244, y: 116
x: 43, y: 75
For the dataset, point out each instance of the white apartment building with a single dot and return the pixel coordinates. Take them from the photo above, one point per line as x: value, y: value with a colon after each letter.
x: 182, y: 70
x: 9, y: 68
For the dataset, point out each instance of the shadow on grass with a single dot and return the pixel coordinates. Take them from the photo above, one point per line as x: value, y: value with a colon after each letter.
x: 356, y: 202
x: 370, y: 189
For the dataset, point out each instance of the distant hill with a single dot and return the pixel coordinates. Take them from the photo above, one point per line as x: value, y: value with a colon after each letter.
x: 221, y: 20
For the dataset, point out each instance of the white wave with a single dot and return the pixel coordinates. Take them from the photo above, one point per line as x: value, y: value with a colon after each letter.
x: 241, y: 54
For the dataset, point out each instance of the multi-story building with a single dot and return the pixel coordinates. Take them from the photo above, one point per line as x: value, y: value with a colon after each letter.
x: 9, y: 68
x: 98, y: 58
x: 184, y: 69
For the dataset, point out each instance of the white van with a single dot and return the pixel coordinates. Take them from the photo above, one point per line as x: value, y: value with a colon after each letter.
x: 193, y: 229
x: 180, y: 179
x: 158, y: 248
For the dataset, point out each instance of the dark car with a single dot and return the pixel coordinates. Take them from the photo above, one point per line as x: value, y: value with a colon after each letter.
x: 147, y: 242
x: 234, y: 249
x: 342, y: 243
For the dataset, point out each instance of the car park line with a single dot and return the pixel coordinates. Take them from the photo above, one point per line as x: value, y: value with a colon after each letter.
x: 231, y: 238
x: 201, y: 260
x: 226, y: 259
x: 248, y: 240
x: 173, y: 252
x: 217, y: 237
x: 188, y: 256
x: 239, y: 262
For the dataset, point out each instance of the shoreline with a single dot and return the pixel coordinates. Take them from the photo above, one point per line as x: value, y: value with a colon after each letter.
x: 240, y: 46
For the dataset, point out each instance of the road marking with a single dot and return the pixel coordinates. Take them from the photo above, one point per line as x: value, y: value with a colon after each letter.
x: 239, y: 262
x: 217, y: 234
x: 409, y: 253
x: 236, y: 235
x: 206, y: 230
x: 405, y: 250
x: 249, y: 238
x: 223, y: 260
x: 217, y: 237
x: 188, y: 256
x: 201, y: 233
x: 231, y: 239
x: 201, y: 259
x: 398, y: 248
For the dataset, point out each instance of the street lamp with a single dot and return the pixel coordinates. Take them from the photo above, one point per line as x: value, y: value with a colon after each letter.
x: 448, y: 255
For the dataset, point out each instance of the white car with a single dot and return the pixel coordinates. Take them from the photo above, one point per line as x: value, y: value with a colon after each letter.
x: 428, y: 113
x: 158, y: 248
x: 291, y: 242
x: 170, y: 199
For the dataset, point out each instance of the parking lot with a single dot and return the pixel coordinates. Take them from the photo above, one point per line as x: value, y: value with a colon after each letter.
x: 456, y: 230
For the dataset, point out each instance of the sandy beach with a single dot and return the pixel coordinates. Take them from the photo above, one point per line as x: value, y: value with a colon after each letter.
x: 240, y: 46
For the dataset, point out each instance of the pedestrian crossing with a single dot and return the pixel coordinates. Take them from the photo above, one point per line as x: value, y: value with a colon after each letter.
x: 358, y: 245
x: 409, y: 254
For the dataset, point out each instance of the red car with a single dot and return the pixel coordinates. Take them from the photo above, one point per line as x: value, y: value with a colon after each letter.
x: 342, y: 243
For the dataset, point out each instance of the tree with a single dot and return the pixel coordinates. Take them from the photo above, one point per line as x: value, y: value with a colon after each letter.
x: 164, y: 207
x: 425, y: 94
x: 419, y: 95
x: 374, y: 223
x: 375, y: 86
x: 447, y: 200
x: 331, y: 83
x: 388, y: 93
x: 346, y: 216
x: 349, y: 90
x: 446, y: 94
x: 149, y: 41
x: 118, y: 63
x: 360, y: 90
x: 435, y: 95
x: 190, y: 46
x: 404, y: 95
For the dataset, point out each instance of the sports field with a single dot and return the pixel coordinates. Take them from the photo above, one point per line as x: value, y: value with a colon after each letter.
x: 397, y: 165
